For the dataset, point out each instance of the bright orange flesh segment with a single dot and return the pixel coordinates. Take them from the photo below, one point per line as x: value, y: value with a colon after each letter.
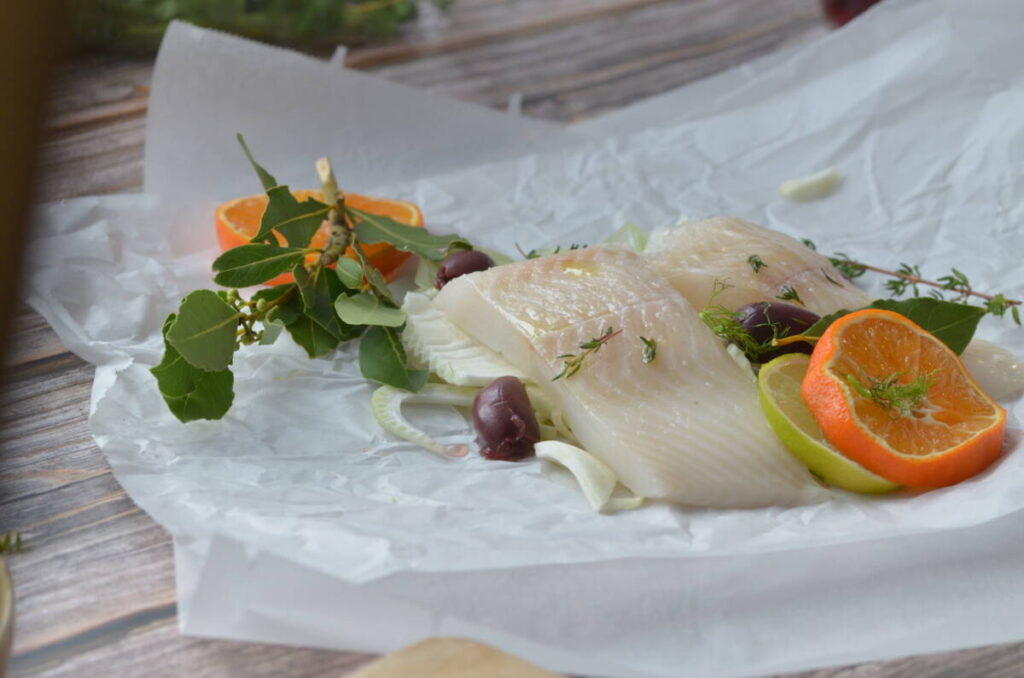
x: 954, y: 432
x: 238, y: 221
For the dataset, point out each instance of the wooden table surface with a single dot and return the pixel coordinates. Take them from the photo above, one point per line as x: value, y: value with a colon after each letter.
x: 95, y: 594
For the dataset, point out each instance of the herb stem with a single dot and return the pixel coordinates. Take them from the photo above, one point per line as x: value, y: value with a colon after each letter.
x: 923, y: 281
x: 337, y: 215
x: 572, y: 362
x: 257, y: 315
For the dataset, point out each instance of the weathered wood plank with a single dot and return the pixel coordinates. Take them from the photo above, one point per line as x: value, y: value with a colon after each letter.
x: 96, y: 592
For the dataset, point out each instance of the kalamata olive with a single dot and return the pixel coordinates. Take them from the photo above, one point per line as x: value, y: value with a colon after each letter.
x: 765, y: 320
x: 461, y: 263
x: 505, y: 424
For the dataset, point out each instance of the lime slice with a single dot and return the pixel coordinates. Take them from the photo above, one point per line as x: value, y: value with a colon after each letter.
x: 779, y: 386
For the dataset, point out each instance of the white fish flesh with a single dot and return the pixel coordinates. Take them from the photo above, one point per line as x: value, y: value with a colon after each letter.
x: 696, y: 254
x: 686, y: 427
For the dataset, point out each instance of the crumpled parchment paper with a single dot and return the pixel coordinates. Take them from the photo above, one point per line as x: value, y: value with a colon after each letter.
x: 322, y: 523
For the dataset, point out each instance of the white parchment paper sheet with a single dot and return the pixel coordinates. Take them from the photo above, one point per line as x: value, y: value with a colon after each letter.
x: 918, y: 106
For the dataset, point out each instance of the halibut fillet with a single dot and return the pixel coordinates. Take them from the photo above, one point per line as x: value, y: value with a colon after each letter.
x: 695, y: 254
x: 686, y: 427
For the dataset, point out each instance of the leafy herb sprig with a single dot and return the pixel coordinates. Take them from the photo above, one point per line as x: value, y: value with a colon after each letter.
x: 954, y: 286
x: 573, y: 362
x: 323, y: 308
x: 895, y: 398
x: 725, y: 323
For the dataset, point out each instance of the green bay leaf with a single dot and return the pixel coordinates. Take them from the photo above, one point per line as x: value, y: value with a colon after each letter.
x: 308, y: 334
x: 296, y: 221
x: 285, y: 311
x: 192, y: 393
x: 374, y: 228
x: 367, y: 309
x: 382, y: 359
x: 210, y: 399
x: 318, y: 298
x: 204, y: 330
x: 266, y: 178
x: 373, y: 277
x: 952, y: 323
x: 818, y: 328
x: 271, y: 331
x: 248, y: 265
x: 350, y: 273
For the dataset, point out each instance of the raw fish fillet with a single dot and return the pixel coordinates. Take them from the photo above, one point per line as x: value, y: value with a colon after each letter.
x: 686, y: 428
x: 693, y: 255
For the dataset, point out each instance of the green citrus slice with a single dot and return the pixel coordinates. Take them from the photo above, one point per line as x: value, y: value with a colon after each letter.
x: 779, y: 386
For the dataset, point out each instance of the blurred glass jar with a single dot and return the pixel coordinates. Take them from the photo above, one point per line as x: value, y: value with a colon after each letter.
x: 841, y: 11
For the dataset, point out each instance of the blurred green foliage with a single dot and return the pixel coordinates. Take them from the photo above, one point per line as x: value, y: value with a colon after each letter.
x: 310, y: 25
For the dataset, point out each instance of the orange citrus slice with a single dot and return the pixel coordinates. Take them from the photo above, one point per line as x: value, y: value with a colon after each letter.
x: 896, y: 400
x: 238, y: 221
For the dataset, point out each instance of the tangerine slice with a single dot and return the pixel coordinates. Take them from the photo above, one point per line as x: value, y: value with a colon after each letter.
x: 238, y: 220
x: 937, y: 427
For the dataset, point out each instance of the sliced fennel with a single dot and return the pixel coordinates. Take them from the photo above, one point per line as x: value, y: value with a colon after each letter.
x: 629, y: 235
x: 445, y: 350
x: 386, y: 405
x: 595, y: 478
x: 738, y: 357
x: 426, y: 276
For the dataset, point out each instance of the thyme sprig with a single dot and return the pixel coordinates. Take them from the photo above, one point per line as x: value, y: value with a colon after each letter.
x: 572, y: 362
x: 908, y: 278
x: 895, y: 398
x: 548, y: 251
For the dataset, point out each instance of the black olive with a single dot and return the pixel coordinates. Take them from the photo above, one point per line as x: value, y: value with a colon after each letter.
x: 461, y: 263
x: 505, y: 424
x: 767, y: 320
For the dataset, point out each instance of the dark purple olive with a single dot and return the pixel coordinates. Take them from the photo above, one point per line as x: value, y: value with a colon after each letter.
x: 505, y: 424
x: 767, y: 320
x: 461, y: 263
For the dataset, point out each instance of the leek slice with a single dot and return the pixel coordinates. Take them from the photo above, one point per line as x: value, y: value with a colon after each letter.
x: 596, y: 480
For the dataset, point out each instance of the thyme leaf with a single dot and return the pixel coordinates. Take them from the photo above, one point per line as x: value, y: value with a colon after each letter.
x: 790, y: 294
x: 650, y: 350
x: 548, y: 251
x: 831, y: 279
x: 756, y: 263
x: 847, y: 266
x: 999, y: 304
